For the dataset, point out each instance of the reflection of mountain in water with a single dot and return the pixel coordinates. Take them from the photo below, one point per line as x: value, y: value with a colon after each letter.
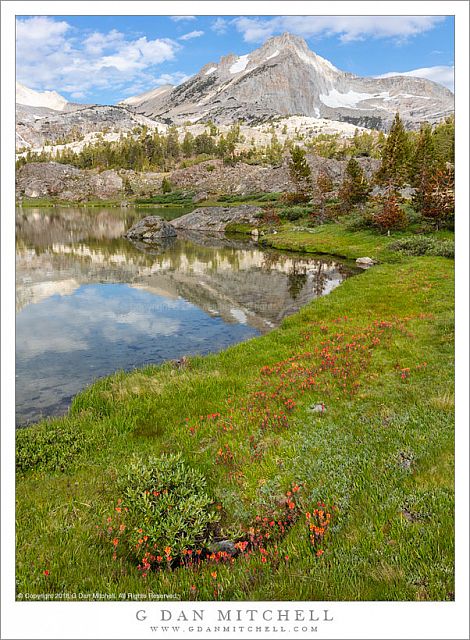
x: 228, y: 278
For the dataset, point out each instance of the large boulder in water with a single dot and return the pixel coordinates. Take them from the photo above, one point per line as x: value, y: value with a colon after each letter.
x: 217, y: 218
x: 151, y: 229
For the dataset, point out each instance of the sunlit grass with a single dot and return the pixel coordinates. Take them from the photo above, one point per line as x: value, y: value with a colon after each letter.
x: 382, y: 452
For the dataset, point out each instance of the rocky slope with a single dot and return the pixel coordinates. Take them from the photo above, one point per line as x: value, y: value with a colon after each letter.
x: 36, y: 126
x: 284, y: 77
x: 65, y: 182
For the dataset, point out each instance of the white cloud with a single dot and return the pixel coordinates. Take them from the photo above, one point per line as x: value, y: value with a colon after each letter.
x: 180, y: 18
x: 441, y: 74
x: 50, y: 55
x: 347, y: 28
x: 178, y: 77
x: 220, y: 26
x: 191, y: 34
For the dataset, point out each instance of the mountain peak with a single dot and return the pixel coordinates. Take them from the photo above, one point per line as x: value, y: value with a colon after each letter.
x: 286, y: 39
x: 31, y: 98
x: 284, y: 77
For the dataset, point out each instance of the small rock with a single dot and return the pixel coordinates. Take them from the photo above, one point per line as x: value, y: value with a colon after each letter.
x: 318, y: 408
x: 405, y: 461
x: 200, y: 197
x: 254, y: 234
x: 227, y: 546
x: 365, y: 262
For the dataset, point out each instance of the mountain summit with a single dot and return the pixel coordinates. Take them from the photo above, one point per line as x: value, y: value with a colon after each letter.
x: 284, y: 77
x: 48, y: 99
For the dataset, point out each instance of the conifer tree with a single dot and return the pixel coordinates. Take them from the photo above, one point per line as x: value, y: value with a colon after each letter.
x: 187, y: 146
x: 395, y: 167
x: 300, y: 175
x: 424, y: 157
x: 355, y: 187
x: 438, y: 198
x: 390, y: 216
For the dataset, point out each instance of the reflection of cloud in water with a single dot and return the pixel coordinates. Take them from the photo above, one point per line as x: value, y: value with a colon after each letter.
x: 42, y: 340
x: 65, y: 323
x: 65, y: 342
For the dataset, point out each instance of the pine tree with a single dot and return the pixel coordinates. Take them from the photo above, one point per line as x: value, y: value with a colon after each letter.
x: 300, y: 175
x: 166, y: 186
x: 424, y: 157
x: 395, y: 167
x: 187, y: 146
x: 390, y: 216
x: 323, y: 185
x: 274, y: 151
x: 355, y: 187
x: 439, y: 197
x: 444, y: 141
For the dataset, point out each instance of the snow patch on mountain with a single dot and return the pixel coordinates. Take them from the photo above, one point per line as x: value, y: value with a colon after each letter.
x: 273, y: 55
x: 335, y: 99
x: 240, y: 64
x: 31, y: 98
x: 211, y: 70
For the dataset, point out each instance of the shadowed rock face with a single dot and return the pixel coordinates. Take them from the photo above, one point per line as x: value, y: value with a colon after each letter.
x: 283, y: 77
x: 217, y: 218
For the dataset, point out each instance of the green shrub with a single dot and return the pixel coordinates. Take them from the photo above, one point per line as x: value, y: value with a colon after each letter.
x: 164, y: 511
x: 424, y: 246
x: 175, y: 197
x: 249, y: 197
x: 210, y: 167
x: 166, y: 186
x: 295, y: 212
x: 49, y: 447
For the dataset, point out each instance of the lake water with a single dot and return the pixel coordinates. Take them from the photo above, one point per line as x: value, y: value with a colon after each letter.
x: 90, y: 302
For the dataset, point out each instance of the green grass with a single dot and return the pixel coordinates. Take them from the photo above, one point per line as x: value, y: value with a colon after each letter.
x: 382, y: 452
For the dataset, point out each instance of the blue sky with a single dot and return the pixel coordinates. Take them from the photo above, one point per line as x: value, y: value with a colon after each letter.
x: 103, y: 59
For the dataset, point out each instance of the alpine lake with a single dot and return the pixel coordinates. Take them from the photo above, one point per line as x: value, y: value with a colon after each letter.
x: 90, y: 302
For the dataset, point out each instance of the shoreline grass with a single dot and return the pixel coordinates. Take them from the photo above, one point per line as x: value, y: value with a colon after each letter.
x: 377, y: 351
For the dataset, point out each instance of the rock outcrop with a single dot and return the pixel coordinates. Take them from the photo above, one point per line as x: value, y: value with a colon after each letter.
x: 62, y: 181
x: 213, y: 176
x: 284, y: 77
x: 41, y: 126
x: 217, y: 218
x: 151, y: 229
x: 65, y: 182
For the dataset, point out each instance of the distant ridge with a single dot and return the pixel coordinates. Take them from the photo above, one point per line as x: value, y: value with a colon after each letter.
x: 284, y: 77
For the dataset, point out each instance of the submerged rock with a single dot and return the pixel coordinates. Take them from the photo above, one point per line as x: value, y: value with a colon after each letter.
x: 217, y: 218
x: 150, y: 229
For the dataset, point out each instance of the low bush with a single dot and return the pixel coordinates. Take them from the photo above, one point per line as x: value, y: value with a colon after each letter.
x: 248, y: 197
x: 175, y: 197
x: 295, y: 198
x: 48, y: 447
x: 164, y: 512
x: 295, y: 212
x: 424, y: 246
